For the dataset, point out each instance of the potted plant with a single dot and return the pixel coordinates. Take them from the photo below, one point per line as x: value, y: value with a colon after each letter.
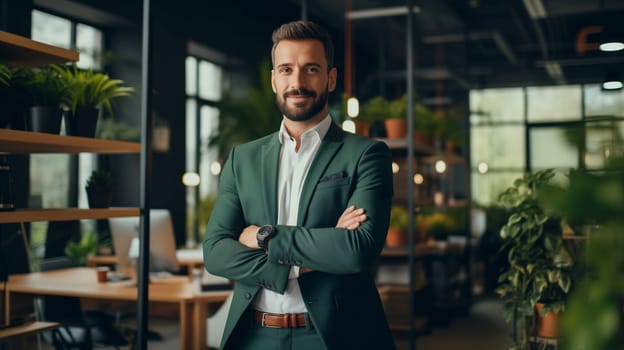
x: 540, y: 268
x: 243, y: 119
x: 89, y: 91
x: 426, y: 126
x: 374, y: 111
x: 397, y: 230
x: 46, y: 91
x: 396, y: 121
x: 99, y: 189
x: 80, y: 251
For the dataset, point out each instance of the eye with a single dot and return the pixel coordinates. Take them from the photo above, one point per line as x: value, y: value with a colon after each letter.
x: 284, y: 70
x: 312, y: 69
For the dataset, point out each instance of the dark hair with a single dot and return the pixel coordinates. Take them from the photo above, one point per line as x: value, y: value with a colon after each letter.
x: 304, y: 30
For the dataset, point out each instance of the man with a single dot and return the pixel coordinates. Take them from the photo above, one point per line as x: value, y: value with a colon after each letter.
x: 301, y: 216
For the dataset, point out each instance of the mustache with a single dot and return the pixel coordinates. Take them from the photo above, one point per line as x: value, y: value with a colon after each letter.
x: 300, y: 92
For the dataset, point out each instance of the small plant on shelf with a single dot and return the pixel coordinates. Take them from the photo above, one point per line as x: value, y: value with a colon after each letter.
x: 99, y: 189
x: 397, y: 230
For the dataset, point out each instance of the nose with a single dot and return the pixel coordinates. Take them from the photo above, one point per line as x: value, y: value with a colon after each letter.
x: 296, y: 79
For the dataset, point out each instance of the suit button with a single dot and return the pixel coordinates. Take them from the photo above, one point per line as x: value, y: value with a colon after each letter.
x: 280, y: 261
x: 247, y: 295
x: 298, y: 263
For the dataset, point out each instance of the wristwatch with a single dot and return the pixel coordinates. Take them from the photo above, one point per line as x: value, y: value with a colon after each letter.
x: 264, y: 234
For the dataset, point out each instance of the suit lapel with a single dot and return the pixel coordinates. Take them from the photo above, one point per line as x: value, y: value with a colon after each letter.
x: 269, y: 166
x: 329, y: 146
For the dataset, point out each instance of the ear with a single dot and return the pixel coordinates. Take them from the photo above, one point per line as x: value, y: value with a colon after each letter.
x: 273, y: 81
x: 331, y: 84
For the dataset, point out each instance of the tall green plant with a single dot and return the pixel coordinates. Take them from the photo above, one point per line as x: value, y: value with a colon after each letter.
x: 540, y: 268
x: 243, y: 119
x: 89, y: 88
x: 594, y: 203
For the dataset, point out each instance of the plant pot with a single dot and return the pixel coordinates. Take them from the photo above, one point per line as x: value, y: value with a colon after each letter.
x: 83, y: 122
x: 546, y: 325
x: 43, y: 119
x: 396, y: 128
x: 396, y: 237
x: 99, y: 197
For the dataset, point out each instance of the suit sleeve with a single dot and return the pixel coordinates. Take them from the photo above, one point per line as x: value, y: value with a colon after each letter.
x: 224, y: 255
x: 342, y: 251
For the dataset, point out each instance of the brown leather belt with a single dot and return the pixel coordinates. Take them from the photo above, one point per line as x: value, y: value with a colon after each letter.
x: 266, y: 319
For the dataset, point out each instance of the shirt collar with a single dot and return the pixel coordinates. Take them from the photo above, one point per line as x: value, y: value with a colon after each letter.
x: 320, y: 129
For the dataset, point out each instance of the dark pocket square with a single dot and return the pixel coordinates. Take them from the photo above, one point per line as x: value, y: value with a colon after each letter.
x: 333, y: 177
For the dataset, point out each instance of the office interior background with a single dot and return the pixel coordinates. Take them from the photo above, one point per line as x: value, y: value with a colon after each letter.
x: 512, y: 75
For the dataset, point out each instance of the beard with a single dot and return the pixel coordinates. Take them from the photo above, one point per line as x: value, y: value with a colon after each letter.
x: 300, y: 114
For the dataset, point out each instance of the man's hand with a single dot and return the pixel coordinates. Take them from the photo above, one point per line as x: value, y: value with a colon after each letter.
x: 248, y: 237
x: 351, y: 218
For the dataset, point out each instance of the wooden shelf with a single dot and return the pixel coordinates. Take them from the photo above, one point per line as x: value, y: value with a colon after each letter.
x: 27, y: 328
x: 21, y: 51
x: 401, y: 144
x: 15, y: 141
x: 30, y: 215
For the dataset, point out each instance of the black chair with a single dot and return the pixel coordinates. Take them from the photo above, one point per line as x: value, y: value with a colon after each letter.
x: 78, y: 329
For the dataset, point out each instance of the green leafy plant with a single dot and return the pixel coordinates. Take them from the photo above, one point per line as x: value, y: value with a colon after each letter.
x: 397, y: 108
x: 100, y: 179
x: 594, y: 202
x: 5, y: 75
x: 399, y: 217
x: 243, y: 119
x: 44, y: 86
x: 425, y: 121
x: 81, y: 250
x: 374, y: 109
x: 88, y: 88
x: 540, y: 268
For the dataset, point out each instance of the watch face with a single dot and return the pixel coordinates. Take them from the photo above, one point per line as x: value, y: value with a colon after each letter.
x: 264, y: 232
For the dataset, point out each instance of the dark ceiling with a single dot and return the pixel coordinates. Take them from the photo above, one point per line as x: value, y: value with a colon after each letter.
x: 462, y: 44
x: 458, y: 44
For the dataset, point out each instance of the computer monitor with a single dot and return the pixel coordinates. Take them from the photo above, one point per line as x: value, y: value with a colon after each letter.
x: 162, y: 242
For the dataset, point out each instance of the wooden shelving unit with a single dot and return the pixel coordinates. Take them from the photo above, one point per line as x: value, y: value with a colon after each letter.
x: 64, y: 214
x: 20, y: 51
x: 16, y: 142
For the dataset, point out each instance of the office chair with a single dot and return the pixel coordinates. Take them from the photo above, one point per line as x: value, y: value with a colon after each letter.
x: 78, y: 329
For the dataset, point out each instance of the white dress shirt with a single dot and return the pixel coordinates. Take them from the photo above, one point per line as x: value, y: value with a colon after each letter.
x: 293, y: 168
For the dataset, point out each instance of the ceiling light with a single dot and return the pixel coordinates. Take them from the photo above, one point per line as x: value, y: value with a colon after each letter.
x: 612, y: 46
x: 612, y: 81
x: 395, y: 168
x: 353, y: 107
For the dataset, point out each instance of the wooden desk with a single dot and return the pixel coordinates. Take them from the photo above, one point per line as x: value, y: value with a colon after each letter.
x: 82, y: 282
x: 190, y: 258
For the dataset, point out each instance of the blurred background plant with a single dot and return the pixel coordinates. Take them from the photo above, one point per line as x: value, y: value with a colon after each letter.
x: 593, y: 202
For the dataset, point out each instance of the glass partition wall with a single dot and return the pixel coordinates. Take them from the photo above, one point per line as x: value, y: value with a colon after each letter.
x: 514, y: 130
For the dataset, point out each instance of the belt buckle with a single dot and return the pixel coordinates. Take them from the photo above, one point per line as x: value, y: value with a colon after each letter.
x: 263, y: 324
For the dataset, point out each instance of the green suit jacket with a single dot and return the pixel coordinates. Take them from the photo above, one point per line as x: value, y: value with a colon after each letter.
x: 340, y: 294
